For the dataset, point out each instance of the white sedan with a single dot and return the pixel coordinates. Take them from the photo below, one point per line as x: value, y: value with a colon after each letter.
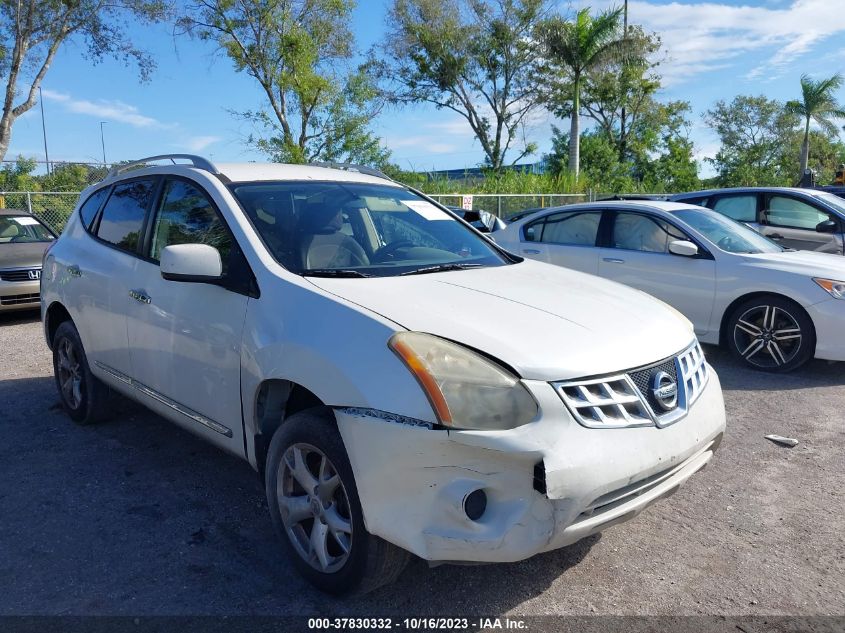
x: 774, y: 308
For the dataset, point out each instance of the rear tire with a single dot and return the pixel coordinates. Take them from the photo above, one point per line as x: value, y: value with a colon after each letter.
x: 316, y: 511
x: 85, y: 398
x: 771, y: 333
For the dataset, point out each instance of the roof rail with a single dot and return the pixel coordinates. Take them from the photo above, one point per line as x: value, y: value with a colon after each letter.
x: 361, y: 169
x: 196, y: 161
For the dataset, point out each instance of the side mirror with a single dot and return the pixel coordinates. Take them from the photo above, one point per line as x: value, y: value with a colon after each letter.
x: 684, y: 248
x: 191, y: 262
x: 828, y: 226
x: 529, y: 234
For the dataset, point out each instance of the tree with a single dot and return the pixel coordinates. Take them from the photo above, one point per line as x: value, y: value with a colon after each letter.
x: 34, y: 31
x: 474, y: 57
x: 299, y: 51
x: 818, y: 103
x: 576, y: 47
x: 754, y: 132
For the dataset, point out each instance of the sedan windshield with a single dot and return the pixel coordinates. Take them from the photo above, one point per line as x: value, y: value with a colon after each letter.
x: 16, y: 229
x: 727, y: 234
x: 340, y: 229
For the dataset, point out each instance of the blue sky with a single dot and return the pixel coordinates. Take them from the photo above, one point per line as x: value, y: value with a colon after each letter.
x: 712, y: 50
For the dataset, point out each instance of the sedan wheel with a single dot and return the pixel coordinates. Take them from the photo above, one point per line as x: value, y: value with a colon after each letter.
x: 772, y: 334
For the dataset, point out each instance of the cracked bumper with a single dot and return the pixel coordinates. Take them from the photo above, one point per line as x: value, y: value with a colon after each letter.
x: 412, y: 481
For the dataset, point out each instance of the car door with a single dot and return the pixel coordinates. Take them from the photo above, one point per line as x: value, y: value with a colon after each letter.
x: 185, y: 338
x: 566, y: 238
x: 638, y: 256
x: 100, y: 275
x: 791, y: 221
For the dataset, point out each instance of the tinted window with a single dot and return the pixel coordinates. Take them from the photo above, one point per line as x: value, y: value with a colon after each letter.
x: 186, y: 216
x: 700, y: 201
x: 739, y: 208
x: 123, y: 215
x: 579, y: 229
x: 89, y: 209
x: 635, y: 232
x: 792, y: 213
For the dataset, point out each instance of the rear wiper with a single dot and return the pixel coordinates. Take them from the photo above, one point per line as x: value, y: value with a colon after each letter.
x: 439, y: 269
x: 334, y: 272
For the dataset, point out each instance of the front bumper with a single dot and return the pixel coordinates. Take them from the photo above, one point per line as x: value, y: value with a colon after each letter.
x: 548, y: 483
x: 19, y: 295
x: 828, y: 319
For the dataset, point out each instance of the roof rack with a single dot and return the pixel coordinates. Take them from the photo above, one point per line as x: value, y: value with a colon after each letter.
x: 361, y: 169
x: 196, y: 161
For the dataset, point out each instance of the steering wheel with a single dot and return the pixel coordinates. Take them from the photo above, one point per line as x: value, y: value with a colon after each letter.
x: 725, y: 243
x: 388, y: 249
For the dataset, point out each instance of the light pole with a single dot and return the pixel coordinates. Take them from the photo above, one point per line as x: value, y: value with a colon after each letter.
x: 103, y: 141
x: 44, y: 130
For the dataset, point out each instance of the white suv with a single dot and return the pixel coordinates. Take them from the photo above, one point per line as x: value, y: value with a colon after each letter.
x: 401, y: 383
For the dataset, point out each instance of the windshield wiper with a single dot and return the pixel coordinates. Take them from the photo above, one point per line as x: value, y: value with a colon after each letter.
x: 439, y: 269
x: 334, y: 272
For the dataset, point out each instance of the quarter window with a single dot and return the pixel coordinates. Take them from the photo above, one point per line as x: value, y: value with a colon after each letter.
x: 123, y: 215
x: 792, y: 213
x: 739, y: 208
x: 635, y: 232
x: 186, y: 216
x: 578, y: 229
x: 88, y: 210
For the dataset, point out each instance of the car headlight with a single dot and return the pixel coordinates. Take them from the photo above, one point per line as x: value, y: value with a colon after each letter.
x: 466, y: 390
x: 835, y: 289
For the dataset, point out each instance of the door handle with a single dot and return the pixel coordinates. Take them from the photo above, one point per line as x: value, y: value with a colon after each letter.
x: 74, y: 271
x: 613, y: 260
x: 530, y: 251
x: 140, y: 296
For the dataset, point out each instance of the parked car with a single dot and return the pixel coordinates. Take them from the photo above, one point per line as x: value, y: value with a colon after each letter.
x: 803, y: 219
x: 23, y: 240
x: 484, y: 221
x: 343, y: 335
x: 774, y: 308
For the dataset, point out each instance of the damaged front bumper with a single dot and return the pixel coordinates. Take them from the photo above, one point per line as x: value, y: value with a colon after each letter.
x: 547, y: 484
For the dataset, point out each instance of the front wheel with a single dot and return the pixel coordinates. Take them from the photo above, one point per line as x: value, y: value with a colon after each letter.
x: 316, y: 511
x: 771, y: 333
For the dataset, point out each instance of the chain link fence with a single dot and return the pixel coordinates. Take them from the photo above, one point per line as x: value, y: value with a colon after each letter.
x: 504, y: 205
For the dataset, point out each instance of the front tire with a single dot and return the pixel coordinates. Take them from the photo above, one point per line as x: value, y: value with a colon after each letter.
x: 85, y: 398
x: 316, y: 511
x: 771, y: 333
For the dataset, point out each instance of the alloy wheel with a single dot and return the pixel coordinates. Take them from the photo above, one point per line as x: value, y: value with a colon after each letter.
x: 314, y: 507
x: 767, y: 336
x: 70, y: 373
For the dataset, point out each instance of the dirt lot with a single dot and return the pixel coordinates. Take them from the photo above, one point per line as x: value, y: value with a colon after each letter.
x: 138, y: 517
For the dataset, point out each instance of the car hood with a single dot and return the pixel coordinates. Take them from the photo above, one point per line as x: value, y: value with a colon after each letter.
x: 22, y: 255
x: 547, y: 322
x: 807, y: 263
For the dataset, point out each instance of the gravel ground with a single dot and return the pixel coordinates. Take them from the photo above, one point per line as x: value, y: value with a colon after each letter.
x: 137, y: 517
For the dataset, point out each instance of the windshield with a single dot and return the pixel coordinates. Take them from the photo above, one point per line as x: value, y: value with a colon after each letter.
x: 23, y: 228
x: 727, y: 234
x: 831, y: 200
x: 341, y: 229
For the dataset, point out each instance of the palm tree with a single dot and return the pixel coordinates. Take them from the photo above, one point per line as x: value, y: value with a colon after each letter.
x: 818, y: 104
x: 580, y: 46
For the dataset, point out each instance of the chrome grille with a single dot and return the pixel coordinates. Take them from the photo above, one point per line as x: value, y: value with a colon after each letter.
x: 626, y: 400
x: 18, y: 275
x: 605, y: 402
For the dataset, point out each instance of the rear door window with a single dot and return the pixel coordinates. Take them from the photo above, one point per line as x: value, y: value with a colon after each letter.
x: 577, y: 229
x: 123, y: 216
x: 742, y: 208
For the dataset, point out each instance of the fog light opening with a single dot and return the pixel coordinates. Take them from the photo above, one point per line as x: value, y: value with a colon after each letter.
x: 475, y: 504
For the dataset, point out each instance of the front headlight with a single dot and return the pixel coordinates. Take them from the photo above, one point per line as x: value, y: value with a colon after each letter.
x: 835, y: 289
x: 466, y: 390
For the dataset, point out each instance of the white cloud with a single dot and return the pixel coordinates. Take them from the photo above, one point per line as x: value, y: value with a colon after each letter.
x: 199, y: 143
x: 706, y: 36
x: 105, y: 110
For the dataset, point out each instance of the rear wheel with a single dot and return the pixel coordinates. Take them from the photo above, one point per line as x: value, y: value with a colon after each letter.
x: 85, y: 398
x: 771, y: 333
x: 316, y: 511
